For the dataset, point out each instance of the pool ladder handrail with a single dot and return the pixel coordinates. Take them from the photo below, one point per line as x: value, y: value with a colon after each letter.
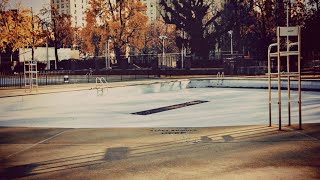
x: 220, y: 77
x: 101, y: 83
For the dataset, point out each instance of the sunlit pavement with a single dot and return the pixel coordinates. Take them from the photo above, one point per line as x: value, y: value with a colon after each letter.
x: 247, y: 152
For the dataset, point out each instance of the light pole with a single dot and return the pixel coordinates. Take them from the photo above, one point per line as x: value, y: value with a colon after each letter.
x: 182, y: 49
x: 231, y: 32
x: 108, y: 53
x: 163, y: 53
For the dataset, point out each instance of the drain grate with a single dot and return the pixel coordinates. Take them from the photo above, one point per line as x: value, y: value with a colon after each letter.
x: 174, y: 131
x: 168, y: 108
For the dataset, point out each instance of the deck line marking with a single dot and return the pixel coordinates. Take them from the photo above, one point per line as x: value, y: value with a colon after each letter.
x: 40, y: 142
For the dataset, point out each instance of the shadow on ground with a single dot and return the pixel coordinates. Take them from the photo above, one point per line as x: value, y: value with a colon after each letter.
x: 263, y: 146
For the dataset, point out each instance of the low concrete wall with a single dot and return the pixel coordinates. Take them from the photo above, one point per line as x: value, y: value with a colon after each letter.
x: 307, y: 85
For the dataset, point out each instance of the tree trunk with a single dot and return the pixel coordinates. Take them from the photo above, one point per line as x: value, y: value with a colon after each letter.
x: 32, y: 53
x: 96, y: 54
x: 117, y: 52
x: 120, y: 61
x: 56, y: 54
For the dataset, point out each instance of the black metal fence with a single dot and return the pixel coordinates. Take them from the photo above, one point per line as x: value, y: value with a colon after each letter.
x: 10, y: 80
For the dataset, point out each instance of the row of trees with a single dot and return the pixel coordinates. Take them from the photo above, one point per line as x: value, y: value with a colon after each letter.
x: 253, y: 23
x: 124, y: 24
x: 200, y: 25
x: 20, y: 28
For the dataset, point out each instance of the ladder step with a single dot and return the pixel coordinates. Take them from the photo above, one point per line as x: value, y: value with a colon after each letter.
x: 286, y: 74
x: 285, y: 53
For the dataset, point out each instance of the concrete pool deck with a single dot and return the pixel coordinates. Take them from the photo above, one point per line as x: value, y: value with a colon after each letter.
x: 239, y: 152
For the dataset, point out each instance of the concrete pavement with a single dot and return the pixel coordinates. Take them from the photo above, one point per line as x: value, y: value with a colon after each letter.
x: 242, y: 152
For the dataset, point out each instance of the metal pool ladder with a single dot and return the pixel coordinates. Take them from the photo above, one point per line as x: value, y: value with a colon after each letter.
x: 101, y: 84
x: 220, y: 77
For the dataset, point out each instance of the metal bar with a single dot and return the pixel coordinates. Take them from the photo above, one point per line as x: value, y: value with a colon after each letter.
x: 299, y: 83
x: 269, y: 84
x: 289, y: 101
x: 288, y: 70
x: 279, y: 77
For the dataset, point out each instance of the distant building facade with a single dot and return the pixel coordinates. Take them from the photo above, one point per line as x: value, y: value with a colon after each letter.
x: 75, y: 8
x: 153, y: 10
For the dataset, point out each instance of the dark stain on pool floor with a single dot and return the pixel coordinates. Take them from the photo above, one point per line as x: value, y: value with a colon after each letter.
x: 168, y: 108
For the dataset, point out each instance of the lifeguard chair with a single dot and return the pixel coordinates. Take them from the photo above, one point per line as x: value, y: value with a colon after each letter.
x: 281, y: 33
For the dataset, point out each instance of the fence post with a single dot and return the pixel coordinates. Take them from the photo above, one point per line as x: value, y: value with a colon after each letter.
x: 46, y: 79
x: 135, y: 74
x: 20, y: 82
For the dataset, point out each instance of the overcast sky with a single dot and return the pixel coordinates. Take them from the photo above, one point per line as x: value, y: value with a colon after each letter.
x: 35, y: 4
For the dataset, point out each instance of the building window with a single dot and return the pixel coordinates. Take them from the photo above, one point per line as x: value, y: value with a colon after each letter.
x: 62, y: 5
x: 58, y: 6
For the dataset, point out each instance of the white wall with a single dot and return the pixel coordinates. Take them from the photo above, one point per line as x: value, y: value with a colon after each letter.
x: 40, y: 54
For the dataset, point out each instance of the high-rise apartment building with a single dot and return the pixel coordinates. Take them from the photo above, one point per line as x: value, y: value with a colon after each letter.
x: 152, y: 9
x: 75, y: 8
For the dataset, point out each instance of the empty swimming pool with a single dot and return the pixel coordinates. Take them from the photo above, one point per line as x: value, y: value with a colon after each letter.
x: 167, y: 104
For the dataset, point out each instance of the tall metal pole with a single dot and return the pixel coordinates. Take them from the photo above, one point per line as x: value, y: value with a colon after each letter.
x: 182, y: 51
x: 163, y: 49
x: 269, y: 85
x: 107, y: 53
x: 299, y: 83
x: 230, y: 32
x: 162, y: 37
x: 32, y: 50
x: 47, y: 49
x: 288, y: 69
x: 279, y: 76
x: 231, y: 44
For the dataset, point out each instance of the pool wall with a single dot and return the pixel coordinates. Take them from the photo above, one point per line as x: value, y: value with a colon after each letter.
x: 307, y: 85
